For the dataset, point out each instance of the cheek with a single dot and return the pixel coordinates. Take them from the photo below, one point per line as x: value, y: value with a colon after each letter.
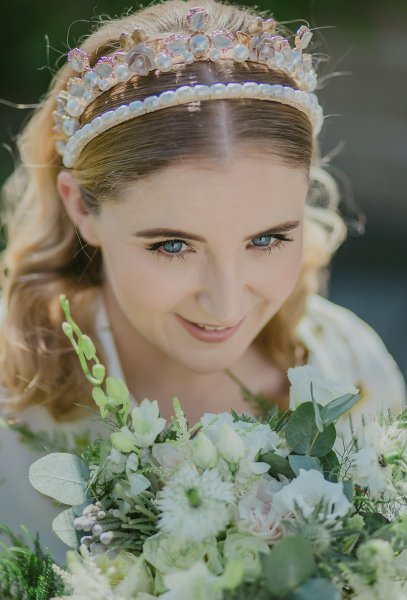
x: 283, y: 271
x: 140, y: 279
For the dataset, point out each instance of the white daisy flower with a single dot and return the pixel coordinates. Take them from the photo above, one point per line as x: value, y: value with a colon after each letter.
x: 194, y: 505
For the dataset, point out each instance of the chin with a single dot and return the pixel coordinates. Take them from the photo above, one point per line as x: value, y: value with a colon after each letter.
x: 204, y: 365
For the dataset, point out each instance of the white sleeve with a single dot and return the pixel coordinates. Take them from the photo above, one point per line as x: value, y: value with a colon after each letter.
x: 346, y: 349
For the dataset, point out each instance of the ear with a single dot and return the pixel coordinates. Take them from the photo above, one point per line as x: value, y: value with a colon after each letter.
x: 85, y: 221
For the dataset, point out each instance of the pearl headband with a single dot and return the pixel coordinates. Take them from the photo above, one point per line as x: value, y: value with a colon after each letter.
x: 139, y: 55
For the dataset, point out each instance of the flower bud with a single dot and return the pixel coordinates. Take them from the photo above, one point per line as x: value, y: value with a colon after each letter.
x: 231, y: 446
x: 204, y: 452
x: 123, y: 440
x: 87, y: 346
x: 99, y: 372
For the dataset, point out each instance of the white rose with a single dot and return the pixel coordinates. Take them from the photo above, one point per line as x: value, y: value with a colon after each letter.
x: 246, y: 548
x: 324, y: 390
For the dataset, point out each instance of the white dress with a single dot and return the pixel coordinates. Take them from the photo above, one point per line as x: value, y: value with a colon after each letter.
x: 339, y: 343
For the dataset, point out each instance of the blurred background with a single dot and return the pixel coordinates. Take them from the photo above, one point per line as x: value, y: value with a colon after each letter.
x: 364, y: 136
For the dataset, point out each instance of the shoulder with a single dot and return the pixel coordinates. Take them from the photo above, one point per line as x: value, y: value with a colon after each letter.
x: 347, y: 349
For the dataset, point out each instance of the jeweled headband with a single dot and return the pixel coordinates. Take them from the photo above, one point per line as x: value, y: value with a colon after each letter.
x: 139, y: 55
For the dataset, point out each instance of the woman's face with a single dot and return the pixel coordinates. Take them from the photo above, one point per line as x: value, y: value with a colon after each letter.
x: 231, y: 255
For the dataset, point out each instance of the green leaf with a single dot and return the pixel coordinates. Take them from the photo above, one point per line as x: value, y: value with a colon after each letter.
x: 316, y: 589
x: 336, y: 408
x: 373, y: 521
x: 61, y: 476
x: 348, y: 489
x: 64, y: 528
x: 288, y: 565
x: 330, y: 466
x: 302, y: 435
x: 278, y: 465
x: 303, y: 462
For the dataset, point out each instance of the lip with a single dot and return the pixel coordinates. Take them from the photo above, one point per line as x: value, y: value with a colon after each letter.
x: 204, y: 335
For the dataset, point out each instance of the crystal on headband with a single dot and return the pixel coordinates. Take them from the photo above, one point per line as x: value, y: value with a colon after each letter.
x: 79, y: 60
x: 197, y: 18
x: 139, y: 54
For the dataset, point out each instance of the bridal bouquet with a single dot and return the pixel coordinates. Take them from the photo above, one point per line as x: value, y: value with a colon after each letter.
x: 233, y: 507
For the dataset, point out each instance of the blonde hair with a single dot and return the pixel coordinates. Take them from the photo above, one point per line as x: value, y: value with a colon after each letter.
x: 45, y: 255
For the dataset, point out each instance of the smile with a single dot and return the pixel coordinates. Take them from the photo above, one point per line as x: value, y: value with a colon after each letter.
x: 208, y: 333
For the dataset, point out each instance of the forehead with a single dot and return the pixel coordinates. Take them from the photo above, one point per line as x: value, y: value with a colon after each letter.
x: 194, y: 192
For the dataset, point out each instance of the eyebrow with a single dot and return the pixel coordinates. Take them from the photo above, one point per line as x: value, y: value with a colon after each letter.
x: 176, y: 233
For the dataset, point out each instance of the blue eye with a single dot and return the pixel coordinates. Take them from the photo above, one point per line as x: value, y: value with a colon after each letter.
x: 264, y: 240
x: 172, y: 248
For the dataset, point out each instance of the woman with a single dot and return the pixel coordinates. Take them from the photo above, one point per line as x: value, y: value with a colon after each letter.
x: 190, y: 233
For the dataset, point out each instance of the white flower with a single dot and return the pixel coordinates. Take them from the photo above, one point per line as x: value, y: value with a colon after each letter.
x: 194, y: 506
x: 168, y: 455
x: 255, y: 512
x: 93, y: 578
x: 256, y: 436
x: 123, y: 440
x: 204, y: 452
x: 168, y: 553
x: 147, y: 423
x: 246, y: 548
x: 115, y: 464
x: 196, y: 583
x: 369, y: 468
x: 324, y: 390
x: 231, y: 446
x: 308, y: 490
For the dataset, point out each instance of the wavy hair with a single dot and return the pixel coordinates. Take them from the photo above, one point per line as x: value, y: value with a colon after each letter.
x: 45, y: 255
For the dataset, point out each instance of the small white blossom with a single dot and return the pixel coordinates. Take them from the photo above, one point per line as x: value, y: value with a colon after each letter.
x: 308, y: 490
x: 194, y: 506
x: 197, y: 582
x: 147, y: 423
x: 94, y: 578
x: 369, y: 468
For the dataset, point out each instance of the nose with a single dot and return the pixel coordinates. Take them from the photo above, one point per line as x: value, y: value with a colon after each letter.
x: 223, y: 294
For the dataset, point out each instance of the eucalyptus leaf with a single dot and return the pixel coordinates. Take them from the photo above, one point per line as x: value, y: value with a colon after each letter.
x: 307, y: 463
x: 348, y: 489
x: 302, y: 434
x: 278, y: 465
x: 336, y: 408
x: 316, y: 589
x: 64, y: 528
x: 330, y: 466
x: 288, y: 565
x: 61, y: 476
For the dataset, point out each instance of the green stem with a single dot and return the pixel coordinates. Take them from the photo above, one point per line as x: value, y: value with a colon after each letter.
x: 313, y: 442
